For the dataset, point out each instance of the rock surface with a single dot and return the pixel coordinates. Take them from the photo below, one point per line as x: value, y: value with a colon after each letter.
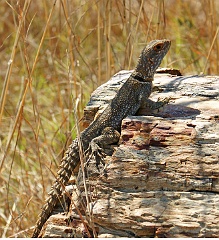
x: 163, y: 177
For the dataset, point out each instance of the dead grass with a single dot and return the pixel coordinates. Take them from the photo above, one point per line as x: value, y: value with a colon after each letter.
x: 53, y: 52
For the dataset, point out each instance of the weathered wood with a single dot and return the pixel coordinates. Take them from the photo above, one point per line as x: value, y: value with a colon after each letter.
x: 163, y: 178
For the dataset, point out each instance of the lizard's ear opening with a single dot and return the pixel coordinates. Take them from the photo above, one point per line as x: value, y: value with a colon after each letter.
x: 158, y: 47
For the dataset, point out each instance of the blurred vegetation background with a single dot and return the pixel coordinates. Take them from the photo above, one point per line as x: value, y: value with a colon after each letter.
x: 54, y: 52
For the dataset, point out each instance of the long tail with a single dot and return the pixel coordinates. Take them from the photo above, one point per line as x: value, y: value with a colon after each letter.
x: 68, y: 164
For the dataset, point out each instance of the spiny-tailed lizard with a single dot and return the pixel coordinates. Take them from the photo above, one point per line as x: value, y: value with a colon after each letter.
x: 131, y: 96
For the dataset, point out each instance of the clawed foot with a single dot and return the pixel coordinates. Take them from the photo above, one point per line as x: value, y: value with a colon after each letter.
x: 161, y: 102
x: 164, y: 100
x: 96, y: 152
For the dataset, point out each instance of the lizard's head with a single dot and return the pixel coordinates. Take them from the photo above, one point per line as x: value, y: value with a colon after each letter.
x: 151, y: 57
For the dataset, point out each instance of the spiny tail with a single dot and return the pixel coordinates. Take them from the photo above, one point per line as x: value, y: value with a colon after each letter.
x: 68, y: 164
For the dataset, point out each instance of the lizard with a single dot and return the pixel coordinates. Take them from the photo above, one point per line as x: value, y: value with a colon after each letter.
x: 133, y: 94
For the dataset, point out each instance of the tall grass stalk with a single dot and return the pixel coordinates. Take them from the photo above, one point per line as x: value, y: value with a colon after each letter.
x: 11, y: 60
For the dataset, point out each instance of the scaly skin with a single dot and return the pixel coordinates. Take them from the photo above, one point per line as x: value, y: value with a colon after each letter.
x: 132, y: 95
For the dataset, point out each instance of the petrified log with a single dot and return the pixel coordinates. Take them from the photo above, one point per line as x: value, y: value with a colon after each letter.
x: 163, y: 177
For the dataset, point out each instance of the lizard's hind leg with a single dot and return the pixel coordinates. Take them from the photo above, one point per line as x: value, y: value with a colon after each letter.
x: 99, y: 144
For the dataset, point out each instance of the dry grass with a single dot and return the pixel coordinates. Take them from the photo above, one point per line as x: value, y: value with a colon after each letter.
x: 53, y: 52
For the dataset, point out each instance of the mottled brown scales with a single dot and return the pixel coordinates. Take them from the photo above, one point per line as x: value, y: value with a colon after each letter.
x: 104, y: 130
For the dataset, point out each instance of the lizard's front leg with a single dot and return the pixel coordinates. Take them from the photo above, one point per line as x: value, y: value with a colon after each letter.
x: 97, y: 145
x: 152, y: 105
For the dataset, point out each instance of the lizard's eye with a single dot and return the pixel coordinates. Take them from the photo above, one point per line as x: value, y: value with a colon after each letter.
x: 158, y: 47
